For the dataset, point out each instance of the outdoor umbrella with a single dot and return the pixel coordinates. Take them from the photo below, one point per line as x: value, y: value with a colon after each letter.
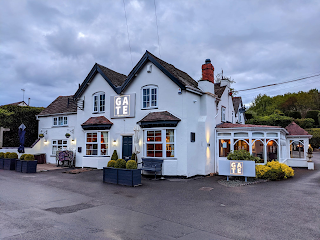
x: 21, y: 133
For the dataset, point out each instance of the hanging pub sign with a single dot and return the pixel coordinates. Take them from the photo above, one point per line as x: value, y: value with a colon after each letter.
x: 123, y: 106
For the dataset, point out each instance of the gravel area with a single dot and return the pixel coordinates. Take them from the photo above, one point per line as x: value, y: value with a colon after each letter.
x: 239, y: 183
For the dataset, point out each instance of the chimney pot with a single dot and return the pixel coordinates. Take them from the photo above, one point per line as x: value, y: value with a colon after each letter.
x: 208, y: 61
x: 207, y: 71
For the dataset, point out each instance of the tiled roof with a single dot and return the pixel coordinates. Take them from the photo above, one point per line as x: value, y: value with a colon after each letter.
x: 15, y: 104
x: 159, y: 116
x: 235, y: 125
x: 295, y: 129
x: 183, y: 77
x: 218, y: 90
x: 62, y: 104
x: 236, y: 103
x: 97, y: 121
x: 116, y: 78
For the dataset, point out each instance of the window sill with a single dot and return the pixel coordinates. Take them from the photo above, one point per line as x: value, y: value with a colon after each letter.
x: 163, y: 158
x: 149, y: 108
x: 56, y: 126
x: 96, y: 156
x: 98, y: 112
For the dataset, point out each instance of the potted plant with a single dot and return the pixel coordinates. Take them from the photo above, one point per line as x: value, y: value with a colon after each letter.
x: 67, y: 135
x: 1, y: 160
x: 18, y: 163
x: 123, y: 173
x: 29, y: 165
x: 10, y: 161
x: 41, y: 135
x: 310, y: 150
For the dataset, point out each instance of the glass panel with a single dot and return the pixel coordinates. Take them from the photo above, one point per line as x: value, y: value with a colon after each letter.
x: 224, y: 147
x: 272, y: 151
x: 153, y: 97
x: 104, y: 149
x: 258, y: 150
x: 54, y: 149
x: 95, y: 103
x: 55, y: 121
x: 65, y: 120
x: 272, y: 134
x: 258, y: 134
x: 102, y: 102
x: 169, y: 150
x: 59, y: 142
x: 146, y: 98
x: 296, y: 149
x: 60, y: 121
x: 241, y: 134
x: 241, y: 145
x: 169, y: 135
x: 91, y: 137
x: 65, y: 142
x: 54, y: 142
x: 224, y: 134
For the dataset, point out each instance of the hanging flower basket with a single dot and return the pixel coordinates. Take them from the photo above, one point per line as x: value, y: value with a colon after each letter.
x: 67, y: 135
x: 41, y: 135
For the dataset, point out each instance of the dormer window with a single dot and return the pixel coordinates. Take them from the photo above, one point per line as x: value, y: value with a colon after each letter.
x: 99, y: 102
x: 149, y: 97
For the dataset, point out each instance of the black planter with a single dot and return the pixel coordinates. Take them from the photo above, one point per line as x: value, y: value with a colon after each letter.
x: 18, y: 165
x: 9, y: 164
x: 29, y: 166
x: 1, y: 163
x: 127, y: 177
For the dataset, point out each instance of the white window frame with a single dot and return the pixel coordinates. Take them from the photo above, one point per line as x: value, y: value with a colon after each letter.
x: 150, y: 95
x: 60, y: 119
x: 98, y: 143
x: 64, y: 145
x: 223, y: 113
x: 96, y: 98
x: 163, y: 142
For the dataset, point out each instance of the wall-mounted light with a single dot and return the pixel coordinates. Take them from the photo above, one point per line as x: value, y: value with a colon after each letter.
x: 208, y: 144
x: 114, y: 143
x: 46, y: 141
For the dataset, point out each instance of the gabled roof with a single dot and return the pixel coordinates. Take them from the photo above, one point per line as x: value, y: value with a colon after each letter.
x: 218, y: 90
x: 22, y: 103
x: 236, y: 125
x: 62, y: 104
x: 100, y: 122
x: 182, y: 79
x: 159, y: 119
x: 114, y: 79
x: 237, y: 101
x: 295, y: 129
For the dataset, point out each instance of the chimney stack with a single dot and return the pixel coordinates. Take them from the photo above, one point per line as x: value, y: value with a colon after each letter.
x: 207, y: 71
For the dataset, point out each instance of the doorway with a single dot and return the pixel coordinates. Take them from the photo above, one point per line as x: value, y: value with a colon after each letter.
x: 126, y: 147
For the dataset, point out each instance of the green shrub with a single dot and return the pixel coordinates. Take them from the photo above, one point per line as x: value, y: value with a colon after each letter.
x: 294, y: 114
x: 310, y: 150
x: 274, y: 174
x: 22, y: 156
x: 13, y: 155
x: 315, y: 140
x: 114, y: 155
x: 242, y: 155
x: 6, y: 155
x: 28, y: 157
x: 305, y: 122
x: 131, y: 164
x: 133, y: 156
x: 314, y: 115
x: 111, y: 163
x: 1, y: 155
x: 120, y: 163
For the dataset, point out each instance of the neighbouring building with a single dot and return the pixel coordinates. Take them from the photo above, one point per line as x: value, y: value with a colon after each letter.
x: 159, y: 111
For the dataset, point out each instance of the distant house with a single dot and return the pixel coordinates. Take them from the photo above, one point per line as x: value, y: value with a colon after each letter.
x: 21, y: 104
x: 159, y: 111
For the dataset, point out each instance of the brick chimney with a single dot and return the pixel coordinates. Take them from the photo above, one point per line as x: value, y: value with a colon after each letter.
x: 207, y: 71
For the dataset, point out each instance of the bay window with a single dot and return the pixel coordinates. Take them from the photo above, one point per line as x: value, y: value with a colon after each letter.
x: 97, y: 143
x: 160, y: 143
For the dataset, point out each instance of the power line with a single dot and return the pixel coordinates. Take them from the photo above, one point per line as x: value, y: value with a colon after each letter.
x: 155, y: 12
x: 125, y: 13
x: 274, y: 84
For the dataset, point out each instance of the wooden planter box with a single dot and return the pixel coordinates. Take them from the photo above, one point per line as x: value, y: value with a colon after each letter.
x: 18, y: 165
x: 1, y: 163
x: 9, y: 164
x: 29, y: 166
x: 127, y: 177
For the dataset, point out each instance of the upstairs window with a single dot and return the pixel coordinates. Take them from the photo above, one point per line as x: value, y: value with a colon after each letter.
x: 99, y: 102
x: 149, y: 97
x: 60, y: 121
x: 223, y: 114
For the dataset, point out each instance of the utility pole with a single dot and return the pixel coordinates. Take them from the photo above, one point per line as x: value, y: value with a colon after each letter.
x: 23, y: 93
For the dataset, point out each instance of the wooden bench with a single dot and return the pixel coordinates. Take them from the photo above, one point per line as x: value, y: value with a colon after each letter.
x: 152, y: 165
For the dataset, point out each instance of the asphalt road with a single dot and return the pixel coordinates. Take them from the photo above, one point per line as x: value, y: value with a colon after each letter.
x: 56, y: 205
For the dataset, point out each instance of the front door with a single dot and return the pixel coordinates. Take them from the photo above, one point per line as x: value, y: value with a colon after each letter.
x: 126, y: 147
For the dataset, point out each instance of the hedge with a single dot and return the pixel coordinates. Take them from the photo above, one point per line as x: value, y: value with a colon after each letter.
x: 315, y: 140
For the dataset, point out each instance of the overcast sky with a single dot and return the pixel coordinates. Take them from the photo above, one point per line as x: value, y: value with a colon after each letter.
x: 49, y: 47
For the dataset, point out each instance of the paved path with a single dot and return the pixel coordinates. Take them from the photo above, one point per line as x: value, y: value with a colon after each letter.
x: 56, y: 205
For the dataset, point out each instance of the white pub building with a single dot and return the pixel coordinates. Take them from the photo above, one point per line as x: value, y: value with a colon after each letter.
x: 159, y: 111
